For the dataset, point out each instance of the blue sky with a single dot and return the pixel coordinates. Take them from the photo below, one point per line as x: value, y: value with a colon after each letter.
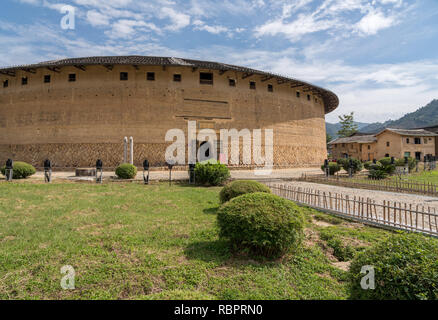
x: 379, y: 56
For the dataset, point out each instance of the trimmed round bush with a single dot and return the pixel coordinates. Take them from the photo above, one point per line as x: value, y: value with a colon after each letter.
x: 345, y: 163
x: 21, y: 170
x: 377, y: 174
x: 367, y: 164
x: 126, y: 171
x: 405, y: 266
x: 387, y: 166
x: 213, y: 174
x: 239, y: 187
x: 333, y: 168
x: 262, y: 223
x: 412, y: 162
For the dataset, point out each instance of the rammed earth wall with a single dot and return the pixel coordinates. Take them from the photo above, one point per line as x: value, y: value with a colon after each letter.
x: 75, y: 123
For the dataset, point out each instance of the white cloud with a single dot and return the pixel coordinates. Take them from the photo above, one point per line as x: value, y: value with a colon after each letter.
x: 375, y: 21
x: 128, y: 28
x: 294, y: 20
x: 304, y: 24
x: 200, y: 25
x: 96, y: 18
x: 179, y: 20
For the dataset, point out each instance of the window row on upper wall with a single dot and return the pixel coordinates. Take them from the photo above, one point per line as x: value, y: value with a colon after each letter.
x: 205, y: 78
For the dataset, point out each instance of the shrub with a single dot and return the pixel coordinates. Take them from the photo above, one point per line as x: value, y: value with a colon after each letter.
x: 412, y: 162
x: 211, y: 173
x: 21, y: 170
x: 237, y: 188
x: 405, y: 265
x: 333, y: 168
x: 377, y: 174
x: 345, y: 163
x: 263, y: 223
x: 387, y: 166
x: 367, y: 165
x: 126, y: 171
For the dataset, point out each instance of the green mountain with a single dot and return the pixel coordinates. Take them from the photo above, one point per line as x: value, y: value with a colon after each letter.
x: 424, y: 117
x: 333, y: 128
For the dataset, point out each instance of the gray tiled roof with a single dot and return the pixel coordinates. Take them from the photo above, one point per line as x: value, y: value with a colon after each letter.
x: 411, y: 132
x: 331, y: 101
x: 355, y: 139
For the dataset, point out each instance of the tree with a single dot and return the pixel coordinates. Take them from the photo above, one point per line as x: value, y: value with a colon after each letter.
x: 348, y: 127
x: 328, y: 138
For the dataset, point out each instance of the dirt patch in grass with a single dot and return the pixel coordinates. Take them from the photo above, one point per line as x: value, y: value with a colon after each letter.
x: 343, y: 265
x: 311, y: 237
x: 321, y: 223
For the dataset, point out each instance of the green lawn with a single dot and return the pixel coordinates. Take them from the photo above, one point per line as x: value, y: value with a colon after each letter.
x: 130, y: 241
x: 424, y: 176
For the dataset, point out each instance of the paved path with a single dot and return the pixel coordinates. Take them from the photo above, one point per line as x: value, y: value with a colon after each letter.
x: 376, y: 195
x: 183, y: 175
x: 379, y: 196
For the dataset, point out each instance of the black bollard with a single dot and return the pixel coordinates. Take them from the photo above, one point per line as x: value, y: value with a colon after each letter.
x: 146, y: 168
x: 350, y: 168
x: 326, y: 168
x: 47, y: 171
x: 192, y: 173
x: 170, y: 166
x: 9, y: 170
x: 99, y: 171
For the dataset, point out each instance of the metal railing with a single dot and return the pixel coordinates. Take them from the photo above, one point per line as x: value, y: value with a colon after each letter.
x: 394, y: 185
x: 388, y: 214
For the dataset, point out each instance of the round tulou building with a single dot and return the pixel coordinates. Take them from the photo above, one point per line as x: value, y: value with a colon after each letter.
x: 74, y: 111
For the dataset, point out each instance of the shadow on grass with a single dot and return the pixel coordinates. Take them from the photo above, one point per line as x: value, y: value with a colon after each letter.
x: 212, y: 210
x: 217, y: 251
x: 220, y: 253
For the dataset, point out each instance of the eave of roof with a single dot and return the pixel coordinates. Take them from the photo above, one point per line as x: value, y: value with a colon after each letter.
x: 355, y: 139
x: 410, y: 132
x: 331, y: 101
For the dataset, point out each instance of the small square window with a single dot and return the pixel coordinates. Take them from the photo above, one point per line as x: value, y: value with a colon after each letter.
x: 270, y: 88
x: 232, y: 82
x: 298, y: 94
x: 150, y: 76
x: 369, y: 147
x: 123, y: 76
x: 177, y: 77
x: 407, y: 140
x: 47, y: 78
x: 24, y: 81
x: 252, y: 85
x: 5, y: 83
x: 417, y: 141
x: 72, y: 77
x: 387, y: 143
x: 206, y: 78
x: 308, y: 97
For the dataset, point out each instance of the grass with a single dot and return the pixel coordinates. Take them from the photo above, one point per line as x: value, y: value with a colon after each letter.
x: 420, y: 177
x: 130, y: 241
x: 424, y: 176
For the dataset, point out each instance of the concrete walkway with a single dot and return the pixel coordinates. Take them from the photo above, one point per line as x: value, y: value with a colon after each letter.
x: 183, y: 175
